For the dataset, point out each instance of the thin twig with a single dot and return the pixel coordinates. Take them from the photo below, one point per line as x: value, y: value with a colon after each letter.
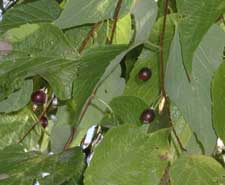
x: 70, y: 139
x: 167, y: 106
x: 89, y: 35
x: 115, y: 19
x: 83, y: 111
x: 36, y: 123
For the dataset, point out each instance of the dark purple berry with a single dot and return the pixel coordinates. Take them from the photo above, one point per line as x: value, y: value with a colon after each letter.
x: 44, y: 121
x: 38, y: 97
x: 144, y: 74
x: 147, y: 116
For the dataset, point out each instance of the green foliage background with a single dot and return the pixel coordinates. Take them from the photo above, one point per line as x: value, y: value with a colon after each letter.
x: 65, y: 47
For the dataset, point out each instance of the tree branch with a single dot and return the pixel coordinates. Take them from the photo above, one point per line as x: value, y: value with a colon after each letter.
x: 167, y: 106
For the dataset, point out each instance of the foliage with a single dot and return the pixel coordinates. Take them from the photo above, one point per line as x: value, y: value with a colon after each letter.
x: 86, y: 56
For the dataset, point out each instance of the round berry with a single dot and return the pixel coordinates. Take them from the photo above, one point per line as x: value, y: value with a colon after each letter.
x: 38, y: 97
x: 147, y: 116
x: 145, y: 74
x: 44, y: 121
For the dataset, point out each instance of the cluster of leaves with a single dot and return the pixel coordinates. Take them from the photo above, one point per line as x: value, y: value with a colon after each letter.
x: 88, y: 55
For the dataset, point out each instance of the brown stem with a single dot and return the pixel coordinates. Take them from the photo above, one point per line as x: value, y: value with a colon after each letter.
x: 115, y: 18
x: 86, y: 105
x: 36, y: 123
x: 85, y: 41
x: 165, y: 180
x: 89, y: 35
x: 70, y: 139
x: 161, y: 50
x: 162, y: 73
x: 82, y: 46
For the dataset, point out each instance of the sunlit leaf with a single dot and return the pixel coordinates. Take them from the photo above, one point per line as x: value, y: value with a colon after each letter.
x: 132, y: 155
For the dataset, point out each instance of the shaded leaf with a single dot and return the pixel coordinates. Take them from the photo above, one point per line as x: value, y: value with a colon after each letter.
x: 193, y: 99
x: 145, y: 13
x: 24, y: 168
x: 196, y: 21
x: 18, y: 99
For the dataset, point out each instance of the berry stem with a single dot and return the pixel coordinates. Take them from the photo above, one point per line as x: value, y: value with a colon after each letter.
x: 115, y: 18
x: 36, y: 123
x: 89, y: 35
x: 163, y: 90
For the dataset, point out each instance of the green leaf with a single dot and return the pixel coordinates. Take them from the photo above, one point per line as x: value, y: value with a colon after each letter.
x: 38, y: 50
x: 128, y: 155
x: 14, y: 126
x: 146, y: 90
x: 23, y: 168
x: 93, y: 65
x: 123, y: 33
x: 197, y: 169
x: 31, y: 12
x: 218, y: 95
x: 125, y: 109
x: 193, y: 99
x: 198, y: 17
x: 77, y: 35
x: 82, y: 12
x: 18, y: 99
